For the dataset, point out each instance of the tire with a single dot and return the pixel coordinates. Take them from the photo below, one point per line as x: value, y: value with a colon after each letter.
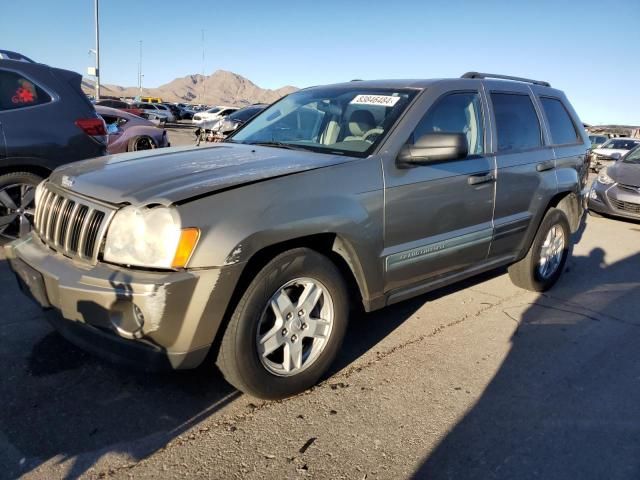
x: 20, y: 188
x: 529, y: 273
x: 257, y: 374
x: 137, y: 144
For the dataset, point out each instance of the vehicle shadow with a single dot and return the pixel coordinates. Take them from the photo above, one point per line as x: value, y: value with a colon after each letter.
x: 564, y: 403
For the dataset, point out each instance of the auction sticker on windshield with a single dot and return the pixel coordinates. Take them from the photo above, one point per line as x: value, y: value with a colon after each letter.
x: 383, y: 100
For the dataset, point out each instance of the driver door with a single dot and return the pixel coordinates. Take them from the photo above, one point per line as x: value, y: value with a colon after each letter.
x: 439, y: 216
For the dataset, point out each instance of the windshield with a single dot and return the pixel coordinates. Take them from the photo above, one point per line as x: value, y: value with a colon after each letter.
x: 214, y: 110
x: 632, y: 157
x: 621, y: 144
x: 347, y: 120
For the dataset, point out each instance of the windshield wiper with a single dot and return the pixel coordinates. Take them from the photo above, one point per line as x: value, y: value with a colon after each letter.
x: 279, y: 145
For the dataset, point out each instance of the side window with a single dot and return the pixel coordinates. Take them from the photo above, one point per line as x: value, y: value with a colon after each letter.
x: 517, y: 123
x: 18, y: 92
x: 563, y: 130
x: 455, y: 113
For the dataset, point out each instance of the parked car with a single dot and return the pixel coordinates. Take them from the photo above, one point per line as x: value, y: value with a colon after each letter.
x: 611, y: 151
x: 617, y: 189
x: 252, y: 251
x: 188, y: 113
x: 597, y: 140
x: 233, y: 121
x: 208, y: 118
x: 130, y: 133
x: 45, y: 121
x: 175, y: 110
x: 167, y: 111
x: 120, y: 105
x: 150, y: 111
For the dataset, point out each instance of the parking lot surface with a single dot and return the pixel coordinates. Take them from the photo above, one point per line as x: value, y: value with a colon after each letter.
x: 479, y: 380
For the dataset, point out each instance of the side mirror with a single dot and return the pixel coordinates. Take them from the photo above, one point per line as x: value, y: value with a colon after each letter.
x: 616, y: 156
x: 434, y: 147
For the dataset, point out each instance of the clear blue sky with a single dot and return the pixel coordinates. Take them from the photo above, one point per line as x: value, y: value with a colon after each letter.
x: 582, y: 47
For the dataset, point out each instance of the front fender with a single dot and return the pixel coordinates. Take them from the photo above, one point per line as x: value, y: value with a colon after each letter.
x: 345, y: 200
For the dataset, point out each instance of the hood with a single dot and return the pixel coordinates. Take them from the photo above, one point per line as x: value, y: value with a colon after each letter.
x: 627, y: 173
x: 170, y: 175
x: 608, y: 151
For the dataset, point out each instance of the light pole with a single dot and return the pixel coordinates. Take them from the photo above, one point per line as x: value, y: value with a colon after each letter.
x: 97, y: 53
x: 140, y: 70
x: 204, y: 88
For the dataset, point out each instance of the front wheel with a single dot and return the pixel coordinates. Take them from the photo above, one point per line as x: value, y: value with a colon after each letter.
x: 541, y: 268
x: 287, y: 328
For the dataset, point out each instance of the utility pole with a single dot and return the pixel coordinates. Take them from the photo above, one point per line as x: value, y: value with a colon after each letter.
x: 204, y: 88
x: 97, y: 53
x: 140, y: 70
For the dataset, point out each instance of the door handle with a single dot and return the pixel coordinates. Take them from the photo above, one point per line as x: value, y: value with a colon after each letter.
x: 481, y: 178
x: 544, y: 166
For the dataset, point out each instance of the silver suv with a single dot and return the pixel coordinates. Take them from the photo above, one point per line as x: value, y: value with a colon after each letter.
x: 251, y: 252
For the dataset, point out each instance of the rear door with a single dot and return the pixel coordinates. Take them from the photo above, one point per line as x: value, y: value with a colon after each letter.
x: 526, y: 177
x: 569, y: 141
x: 438, y: 217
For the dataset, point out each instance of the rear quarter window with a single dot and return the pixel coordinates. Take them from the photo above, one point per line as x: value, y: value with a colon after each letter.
x: 563, y: 130
x: 17, y: 91
x: 517, y: 124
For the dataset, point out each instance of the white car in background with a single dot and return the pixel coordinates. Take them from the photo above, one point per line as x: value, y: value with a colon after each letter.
x: 611, y: 151
x: 616, y: 147
x: 163, y: 108
x: 207, y: 119
x: 152, y: 112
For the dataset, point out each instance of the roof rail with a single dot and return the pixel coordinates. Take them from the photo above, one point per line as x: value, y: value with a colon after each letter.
x: 505, y: 77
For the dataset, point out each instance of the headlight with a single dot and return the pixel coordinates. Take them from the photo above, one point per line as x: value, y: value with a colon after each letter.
x: 605, y: 179
x: 149, y: 237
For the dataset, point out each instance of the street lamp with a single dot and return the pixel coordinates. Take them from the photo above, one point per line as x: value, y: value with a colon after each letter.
x: 97, y: 53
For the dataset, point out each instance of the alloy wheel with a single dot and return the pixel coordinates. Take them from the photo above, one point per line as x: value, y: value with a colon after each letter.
x: 551, y: 252
x: 17, y: 210
x: 295, y: 327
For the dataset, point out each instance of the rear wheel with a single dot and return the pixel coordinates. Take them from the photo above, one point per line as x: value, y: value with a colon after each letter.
x: 287, y: 328
x: 141, y: 143
x: 17, y: 205
x: 541, y: 268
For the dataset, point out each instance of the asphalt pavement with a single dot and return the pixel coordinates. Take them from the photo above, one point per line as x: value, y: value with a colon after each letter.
x: 480, y: 380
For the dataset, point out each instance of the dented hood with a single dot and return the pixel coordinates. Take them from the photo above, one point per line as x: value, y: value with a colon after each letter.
x: 170, y: 175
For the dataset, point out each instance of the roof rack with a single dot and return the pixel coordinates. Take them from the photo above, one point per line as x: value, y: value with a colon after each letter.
x: 505, y: 77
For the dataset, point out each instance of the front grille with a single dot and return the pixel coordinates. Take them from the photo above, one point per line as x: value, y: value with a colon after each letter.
x: 625, y: 206
x: 70, y: 224
x: 629, y: 188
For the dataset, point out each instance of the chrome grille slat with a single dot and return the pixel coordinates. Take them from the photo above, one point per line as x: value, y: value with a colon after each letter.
x: 72, y: 224
x: 47, y: 214
x: 82, y: 238
x: 53, y: 218
x: 77, y: 228
x: 56, y: 230
x: 64, y: 223
x: 72, y: 220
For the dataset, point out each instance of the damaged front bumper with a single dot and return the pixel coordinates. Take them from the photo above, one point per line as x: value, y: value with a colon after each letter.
x: 147, y: 318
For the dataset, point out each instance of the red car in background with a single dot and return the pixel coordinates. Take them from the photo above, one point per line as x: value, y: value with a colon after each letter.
x: 129, y: 133
x: 120, y: 105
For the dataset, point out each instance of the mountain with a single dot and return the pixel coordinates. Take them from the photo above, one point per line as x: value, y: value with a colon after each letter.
x: 220, y: 88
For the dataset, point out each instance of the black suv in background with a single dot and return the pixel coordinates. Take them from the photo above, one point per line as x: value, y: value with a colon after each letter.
x: 45, y: 121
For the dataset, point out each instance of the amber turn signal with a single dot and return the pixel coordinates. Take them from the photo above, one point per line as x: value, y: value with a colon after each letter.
x: 187, y: 244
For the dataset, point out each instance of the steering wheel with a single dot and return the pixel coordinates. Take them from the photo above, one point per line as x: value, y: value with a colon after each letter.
x: 373, y: 134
